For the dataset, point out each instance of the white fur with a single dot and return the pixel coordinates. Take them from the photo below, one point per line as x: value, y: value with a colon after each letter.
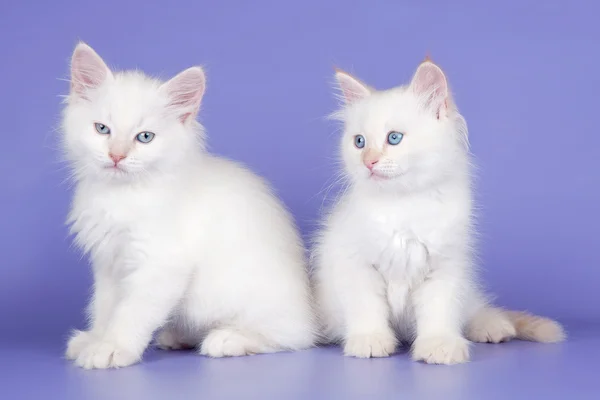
x: 394, y: 258
x: 179, y: 239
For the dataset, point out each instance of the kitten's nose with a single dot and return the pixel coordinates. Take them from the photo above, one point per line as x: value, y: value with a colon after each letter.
x: 116, y: 157
x: 370, y: 158
x: 370, y: 162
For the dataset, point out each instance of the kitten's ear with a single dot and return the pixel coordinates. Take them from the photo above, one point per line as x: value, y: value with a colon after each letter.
x: 88, y: 70
x: 430, y: 84
x: 352, y: 89
x: 185, y: 92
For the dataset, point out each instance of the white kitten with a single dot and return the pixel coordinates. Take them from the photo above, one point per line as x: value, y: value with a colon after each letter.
x: 178, y: 239
x: 396, y: 252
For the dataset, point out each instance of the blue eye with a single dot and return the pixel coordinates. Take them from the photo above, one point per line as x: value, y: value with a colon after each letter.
x: 359, y: 141
x: 145, y: 137
x: 101, y: 128
x: 394, y: 138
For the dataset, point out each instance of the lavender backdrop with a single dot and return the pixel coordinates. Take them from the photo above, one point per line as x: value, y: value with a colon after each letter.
x: 525, y: 75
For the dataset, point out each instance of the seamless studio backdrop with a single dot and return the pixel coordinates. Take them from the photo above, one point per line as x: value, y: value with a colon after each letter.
x: 524, y: 74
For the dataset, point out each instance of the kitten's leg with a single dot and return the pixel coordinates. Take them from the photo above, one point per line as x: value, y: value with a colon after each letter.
x: 354, y: 306
x: 231, y: 342
x: 490, y: 325
x: 277, y: 323
x: 438, y: 310
x: 485, y: 323
x: 99, y: 310
x: 495, y: 325
x: 146, y: 297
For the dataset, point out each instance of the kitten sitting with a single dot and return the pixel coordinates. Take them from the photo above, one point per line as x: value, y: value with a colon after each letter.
x: 395, y: 255
x: 179, y: 239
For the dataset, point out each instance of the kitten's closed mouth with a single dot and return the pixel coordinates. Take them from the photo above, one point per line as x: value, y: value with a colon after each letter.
x: 115, y: 168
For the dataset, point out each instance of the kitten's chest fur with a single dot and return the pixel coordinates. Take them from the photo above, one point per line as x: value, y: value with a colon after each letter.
x: 399, y: 233
x: 108, y: 221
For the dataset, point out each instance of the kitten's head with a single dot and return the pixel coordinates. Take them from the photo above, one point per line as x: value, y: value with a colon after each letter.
x: 125, y: 126
x: 406, y: 138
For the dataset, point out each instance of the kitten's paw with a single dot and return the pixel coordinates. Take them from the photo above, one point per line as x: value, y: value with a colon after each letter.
x: 490, y: 326
x: 78, y: 341
x: 102, y: 354
x: 373, y: 345
x: 231, y: 343
x: 441, y: 350
x: 168, y: 339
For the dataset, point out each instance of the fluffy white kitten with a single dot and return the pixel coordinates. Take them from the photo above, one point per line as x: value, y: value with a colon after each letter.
x: 179, y: 239
x: 395, y: 256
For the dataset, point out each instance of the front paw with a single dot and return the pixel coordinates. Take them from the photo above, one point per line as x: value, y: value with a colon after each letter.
x: 371, y: 345
x: 78, y: 341
x: 441, y: 350
x: 104, y: 354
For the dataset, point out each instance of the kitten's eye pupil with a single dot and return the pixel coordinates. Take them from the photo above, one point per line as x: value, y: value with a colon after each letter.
x: 394, y: 138
x: 359, y: 141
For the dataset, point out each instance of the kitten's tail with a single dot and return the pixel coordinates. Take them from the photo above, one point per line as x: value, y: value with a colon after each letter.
x: 535, y: 328
x: 495, y: 325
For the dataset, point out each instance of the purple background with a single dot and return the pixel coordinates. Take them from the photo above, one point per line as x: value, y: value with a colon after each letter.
x: 525, y: 75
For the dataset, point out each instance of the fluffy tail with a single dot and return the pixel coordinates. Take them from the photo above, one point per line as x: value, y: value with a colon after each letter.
x: 536, y: 328
x: 496, y: 325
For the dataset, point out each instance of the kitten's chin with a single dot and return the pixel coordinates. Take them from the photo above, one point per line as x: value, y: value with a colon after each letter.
x: 117, y: 173
x: 381, y: 177
x: 378, y: 178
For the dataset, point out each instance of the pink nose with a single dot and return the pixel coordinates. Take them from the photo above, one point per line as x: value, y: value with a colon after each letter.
x: 370, y: 163
x: 116, y: 157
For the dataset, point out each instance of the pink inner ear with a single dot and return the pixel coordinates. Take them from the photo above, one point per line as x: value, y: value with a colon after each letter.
x: 352, y: 89
x: 430, y: 83
x: 185, y: 92
x: 185, y: 101
x: 88, y: 70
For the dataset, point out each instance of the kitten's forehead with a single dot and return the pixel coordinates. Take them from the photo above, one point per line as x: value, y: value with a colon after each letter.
x: 380, y: 111
x: 131, y: 97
